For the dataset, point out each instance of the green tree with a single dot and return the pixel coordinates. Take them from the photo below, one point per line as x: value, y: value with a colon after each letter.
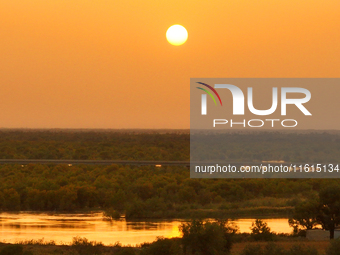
x: 206, y: 238
x: 329, y: 215
x: 261, y: 231
x: 305, y: 215
x: 11, y: 200
x: 1, y: 199
x: 68, y: 197
x: 324, y: 210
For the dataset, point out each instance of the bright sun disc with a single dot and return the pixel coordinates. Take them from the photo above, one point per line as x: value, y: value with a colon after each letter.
x: 176, y: 35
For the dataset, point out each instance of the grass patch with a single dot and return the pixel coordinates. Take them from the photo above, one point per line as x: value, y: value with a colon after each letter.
x: 321, y: 246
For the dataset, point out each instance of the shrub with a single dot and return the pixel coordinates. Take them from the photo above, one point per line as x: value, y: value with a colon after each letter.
x: 85, y: 247
x: 207, y: 237
x: 36, y: 242
x: 136, y: 209
x: 273, y: 249
x: 162, y: 246
x: 252, y: 250
x: 302, y: 250
x: 126, y: 251
x: 111, y: 214
x: 261, y: 231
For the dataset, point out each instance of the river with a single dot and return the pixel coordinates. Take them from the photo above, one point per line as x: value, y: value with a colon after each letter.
x: 63, y: 227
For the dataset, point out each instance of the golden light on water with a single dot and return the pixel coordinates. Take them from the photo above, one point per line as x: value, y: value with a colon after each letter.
x: 174, y: 232
x: 63, y: 227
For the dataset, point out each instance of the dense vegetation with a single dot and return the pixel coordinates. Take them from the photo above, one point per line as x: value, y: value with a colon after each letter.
x: 323, y: 209
x: 146, y: 191
x: 142, y: 191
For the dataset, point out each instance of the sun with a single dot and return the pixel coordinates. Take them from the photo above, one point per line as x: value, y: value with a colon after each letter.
x: 176, y: 35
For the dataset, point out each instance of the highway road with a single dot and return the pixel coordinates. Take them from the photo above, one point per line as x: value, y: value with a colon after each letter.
x: 94, y: 162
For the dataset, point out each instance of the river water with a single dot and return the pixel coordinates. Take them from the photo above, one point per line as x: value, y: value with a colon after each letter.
x: 63, y: 227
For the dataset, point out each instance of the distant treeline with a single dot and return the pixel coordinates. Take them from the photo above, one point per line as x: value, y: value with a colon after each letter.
x: 73, y: 144
x: 247, y: 146
x: 307, y: 147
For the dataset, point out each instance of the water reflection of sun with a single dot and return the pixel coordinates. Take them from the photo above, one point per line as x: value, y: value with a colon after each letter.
x: 174, y: 232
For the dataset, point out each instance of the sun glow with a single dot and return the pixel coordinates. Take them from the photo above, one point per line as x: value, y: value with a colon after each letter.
x: 176, y: 35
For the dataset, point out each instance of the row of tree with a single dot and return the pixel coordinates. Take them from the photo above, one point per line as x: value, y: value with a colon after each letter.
x: 323, y: 209
x: 306, y: 147
x: 87, y: 144
x: 137, y: 191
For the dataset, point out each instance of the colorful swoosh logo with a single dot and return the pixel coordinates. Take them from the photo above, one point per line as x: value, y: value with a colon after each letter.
x: 212, y: 89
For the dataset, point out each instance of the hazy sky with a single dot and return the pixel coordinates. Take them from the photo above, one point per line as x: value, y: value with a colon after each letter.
x: 107, y: 64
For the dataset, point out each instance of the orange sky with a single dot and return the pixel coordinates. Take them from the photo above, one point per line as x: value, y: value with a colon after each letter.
x: 107, y: 64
